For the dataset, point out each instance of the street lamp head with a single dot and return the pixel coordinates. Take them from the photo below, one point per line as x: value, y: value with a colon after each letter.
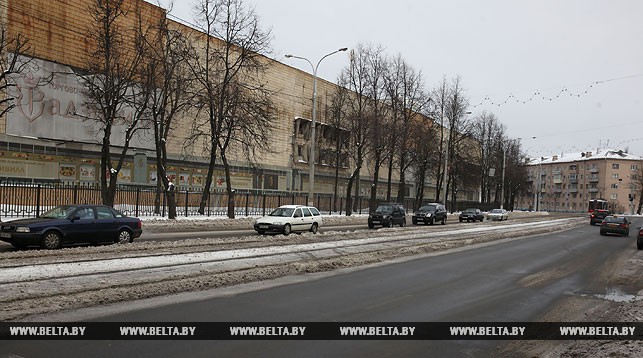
x: 288, y: 56
x: 343, y: 49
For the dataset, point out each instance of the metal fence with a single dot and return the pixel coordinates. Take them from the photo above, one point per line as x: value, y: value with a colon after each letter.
x: 29, y: 200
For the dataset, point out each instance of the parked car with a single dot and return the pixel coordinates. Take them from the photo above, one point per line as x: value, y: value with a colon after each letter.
x: 471, y: 214
x: 615, y: 225
x: 639, y: 239
x: 498, y: 214
x: 290, y: 218
x: 72, y: 224
x: 430, y: 213
x: 387, y: 215
x: 597, y: 216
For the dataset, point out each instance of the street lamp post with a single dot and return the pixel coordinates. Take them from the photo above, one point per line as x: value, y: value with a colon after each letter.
x: 311, y: 157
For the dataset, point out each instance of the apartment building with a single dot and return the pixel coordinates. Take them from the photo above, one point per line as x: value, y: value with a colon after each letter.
x: 567, y: 182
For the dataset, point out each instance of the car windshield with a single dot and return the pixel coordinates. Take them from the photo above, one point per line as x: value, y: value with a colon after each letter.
x: 384, y: 209
x: 284, y: 212
x: 427, y: 208
x: 470, y: 211
x: 613, y: 219
x: 496, y: 211
x: 59, y: 212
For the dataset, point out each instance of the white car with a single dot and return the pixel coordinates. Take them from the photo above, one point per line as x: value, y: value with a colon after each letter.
x: 290, y: 218
x: 498, y: 214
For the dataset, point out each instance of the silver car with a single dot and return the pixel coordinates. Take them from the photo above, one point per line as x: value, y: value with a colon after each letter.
x: 498, y: 214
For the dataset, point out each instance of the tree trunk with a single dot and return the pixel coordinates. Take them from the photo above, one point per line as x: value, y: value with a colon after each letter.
x: 208, y: 181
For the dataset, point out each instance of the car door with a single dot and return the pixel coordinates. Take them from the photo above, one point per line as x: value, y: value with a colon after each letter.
x: 308, y: 219
x: 81, y: 227
x: 106, y: 224
x: 298, y: 220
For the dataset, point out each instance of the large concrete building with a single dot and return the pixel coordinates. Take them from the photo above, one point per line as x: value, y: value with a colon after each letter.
x: 567, y: 182
x: 44, y: 138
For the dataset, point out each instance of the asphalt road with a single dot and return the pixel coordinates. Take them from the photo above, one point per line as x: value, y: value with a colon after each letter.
x: 519, y: 280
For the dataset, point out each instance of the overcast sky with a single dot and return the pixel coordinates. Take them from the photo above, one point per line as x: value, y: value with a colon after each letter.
x: 563, y: 75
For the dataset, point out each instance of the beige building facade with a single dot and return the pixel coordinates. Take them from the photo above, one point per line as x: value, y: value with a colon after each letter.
x: 46, y: 138
x: 568, y: 182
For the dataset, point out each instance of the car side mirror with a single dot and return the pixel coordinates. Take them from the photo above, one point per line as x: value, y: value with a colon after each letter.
x: 75, y: 217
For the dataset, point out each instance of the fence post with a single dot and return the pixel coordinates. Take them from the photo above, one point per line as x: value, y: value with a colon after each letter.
x: 186, y: 202
x: 341, y: 205
x: 138, y: 190
x: 38, y: 201
x: 247, y: 196
x: 75, y: 193
x: 209, y: 201
x: 263, y: 204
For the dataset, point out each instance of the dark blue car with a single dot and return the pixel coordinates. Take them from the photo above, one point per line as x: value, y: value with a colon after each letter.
x: 72, y: 224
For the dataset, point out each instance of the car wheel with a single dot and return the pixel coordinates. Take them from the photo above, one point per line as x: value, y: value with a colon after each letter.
x: 403, y: 223
x: 602, y: 233
x: 261, y: 232
x: 124, y: 237
x: 414, y: 221
x: 389, y: 223
x: 461, y: 220
x: 51, y: 240
x: 314, y: 228
x: 431, y: 221
x: 627, y: 233
x: 591, y: 222
x: 444, y: 220
x: 287, y: 229
x: 639, y: 244
x: 371, y: 225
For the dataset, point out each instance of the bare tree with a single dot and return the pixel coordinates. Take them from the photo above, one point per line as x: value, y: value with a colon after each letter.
x: 229, y: 72
x: 111, y: 88
x: 12, y: 47
x: 405, y: 87
x: 337, y: 120
x: 355, y: 79
x: 166, y: 77
x: 377, y: 66
x: 459, y: 132
x: 423, y: 136
x: 439, y: 101
x: 488, y: 133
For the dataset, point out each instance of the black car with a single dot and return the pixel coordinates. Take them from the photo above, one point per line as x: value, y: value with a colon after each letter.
x: 598, y: 215
x: 472, y: 214
x: 430, y: 213
x: 71, y: 224
x: 615, y: 225
x: 387, y: 215
x: 639, y: 239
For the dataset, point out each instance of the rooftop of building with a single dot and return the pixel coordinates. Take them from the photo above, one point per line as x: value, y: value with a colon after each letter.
x: 584, y: 156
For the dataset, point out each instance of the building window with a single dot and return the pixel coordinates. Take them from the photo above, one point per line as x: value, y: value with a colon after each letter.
x: 615, y: 176
x: 572, y: 167
x: 614, y: 196
x: 615, y: 166
x: 614, y: 186
x: 634, y: 167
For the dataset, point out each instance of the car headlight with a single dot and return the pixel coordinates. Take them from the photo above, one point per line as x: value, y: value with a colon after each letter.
x: 22, y: 229
x: 428, y: 215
